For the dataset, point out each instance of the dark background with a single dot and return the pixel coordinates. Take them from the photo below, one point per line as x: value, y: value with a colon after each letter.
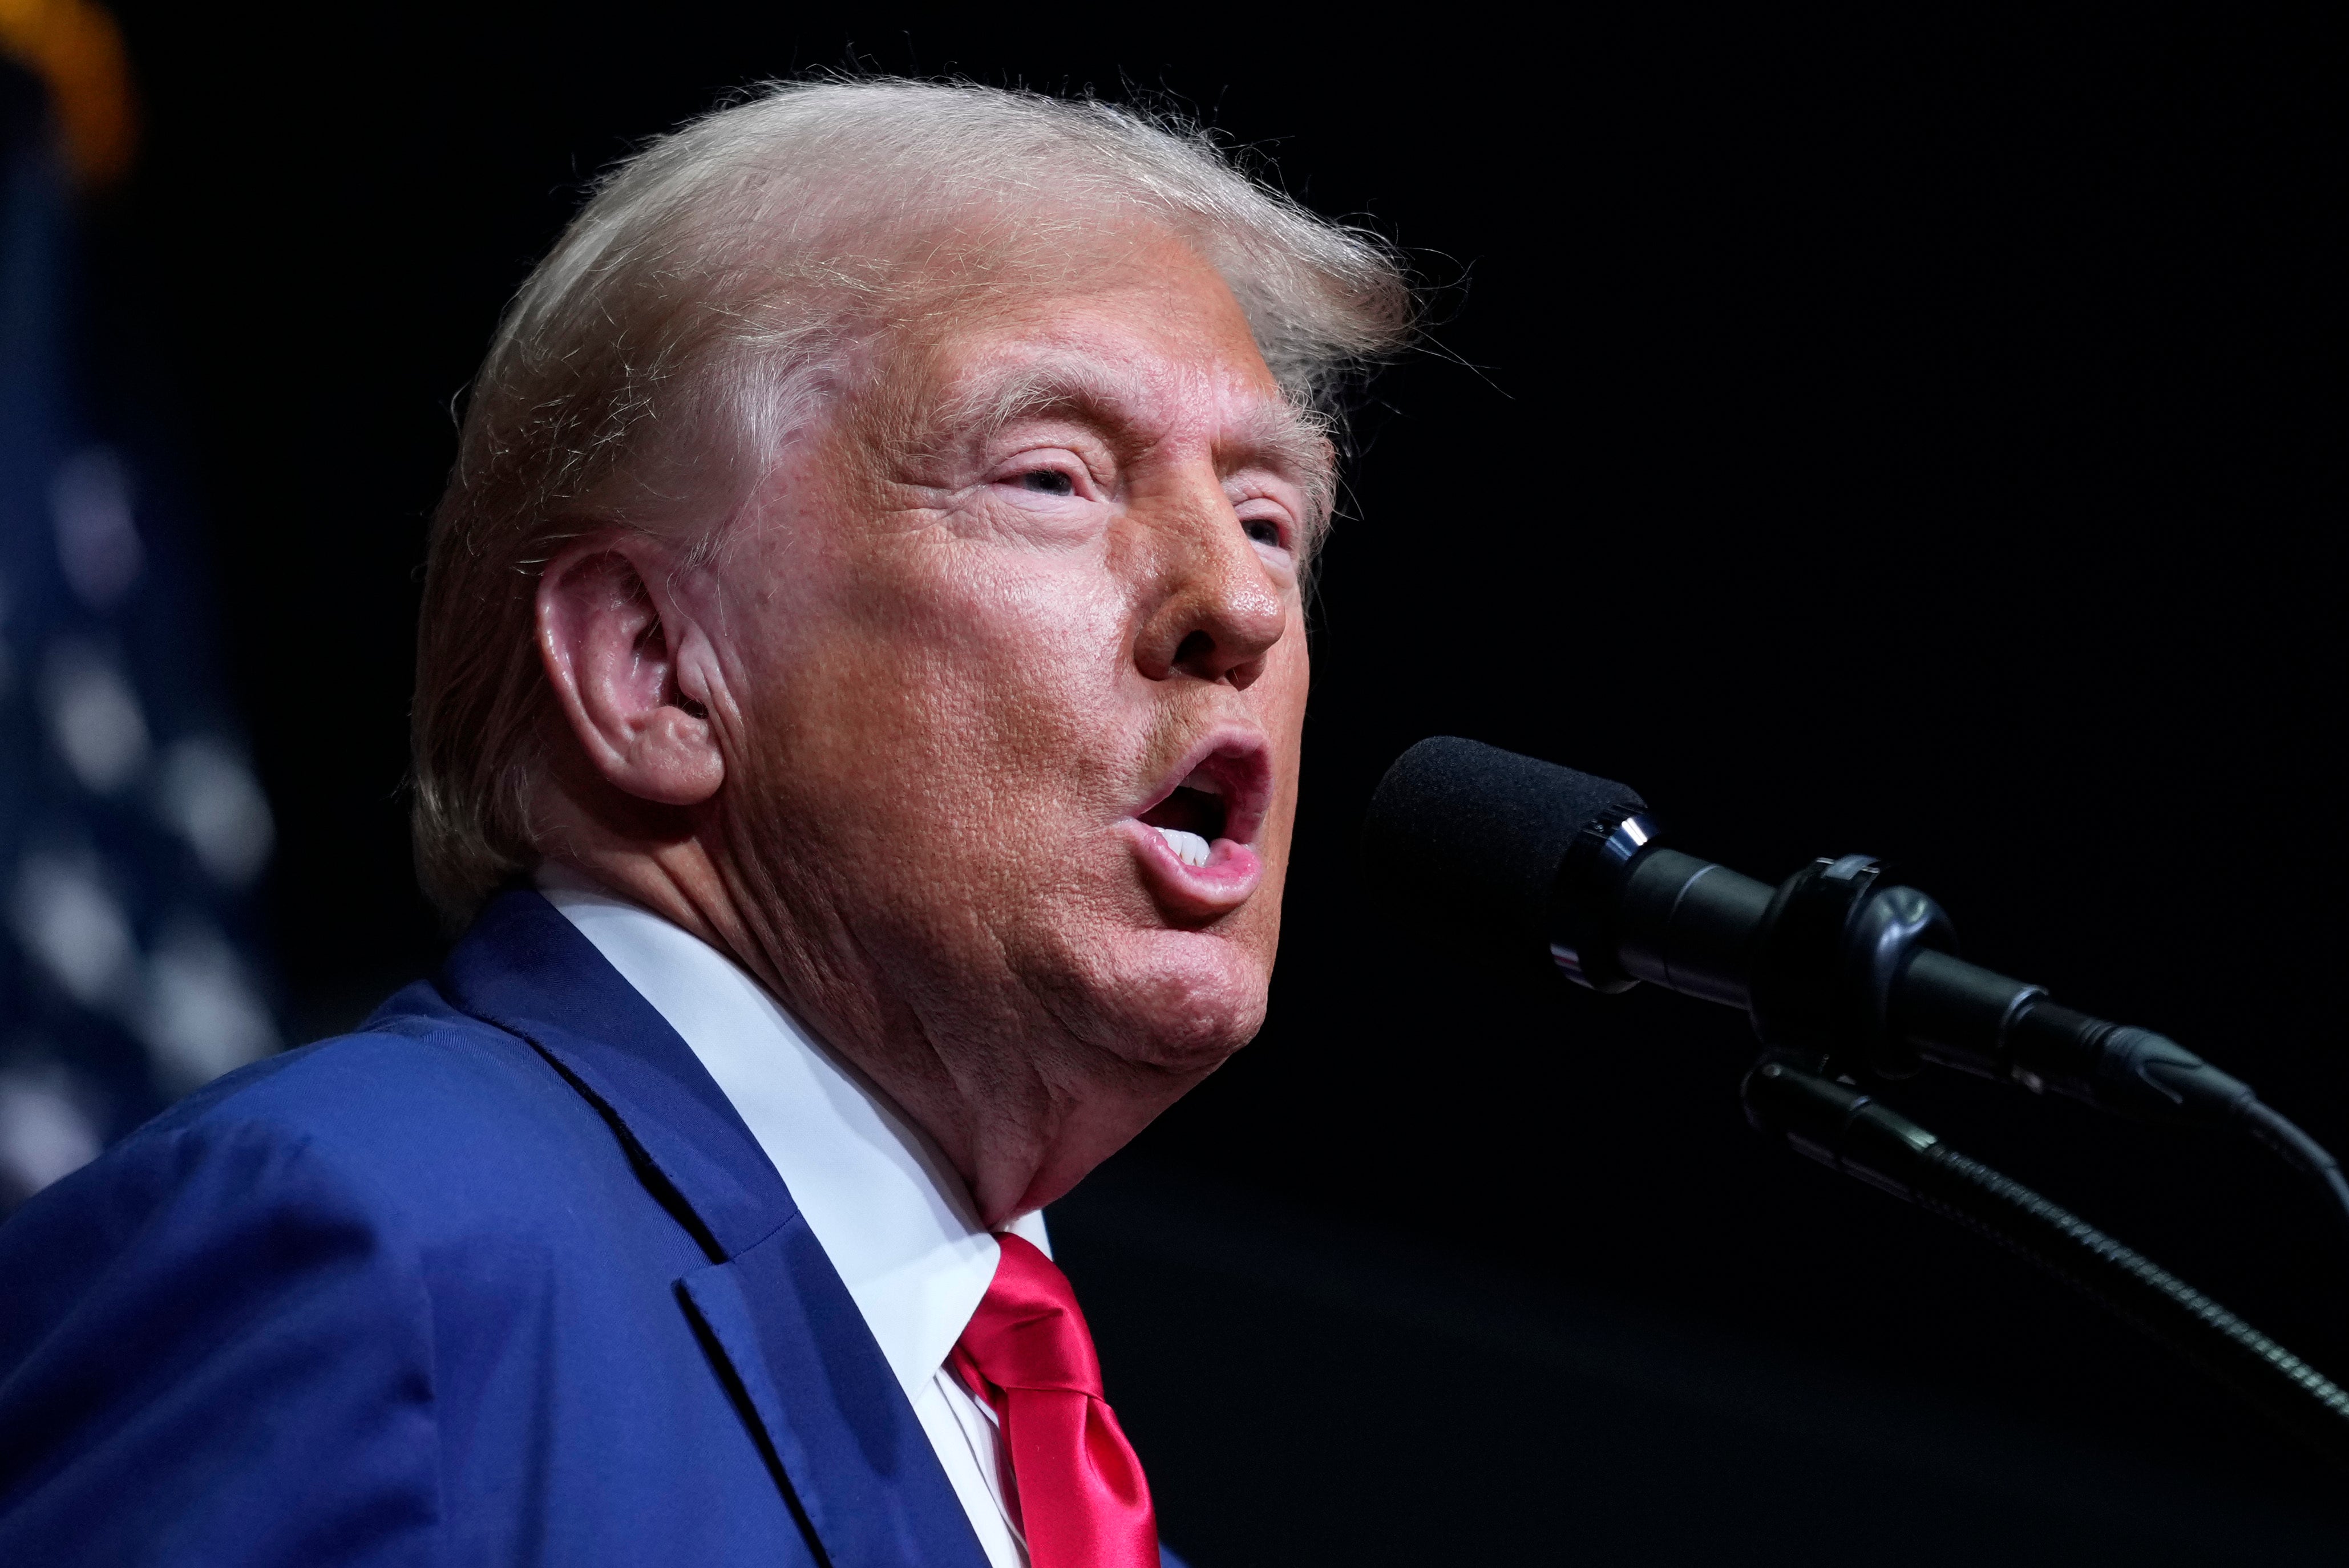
x: 1911, y: 437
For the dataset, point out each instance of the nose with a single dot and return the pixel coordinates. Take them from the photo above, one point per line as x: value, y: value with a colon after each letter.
x: 1217, y: 609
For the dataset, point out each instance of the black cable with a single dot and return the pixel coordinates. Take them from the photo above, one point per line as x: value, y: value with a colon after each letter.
x: 2300, y: 1151
x: 1841, y: 1126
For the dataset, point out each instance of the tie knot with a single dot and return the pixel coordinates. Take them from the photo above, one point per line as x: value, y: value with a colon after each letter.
x: 1027, y: 1332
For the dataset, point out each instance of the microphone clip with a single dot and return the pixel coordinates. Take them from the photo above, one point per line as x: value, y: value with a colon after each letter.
x: 1826, y: 957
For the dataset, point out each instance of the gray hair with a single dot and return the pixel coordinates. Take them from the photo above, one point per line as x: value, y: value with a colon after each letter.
x: 686, y: 323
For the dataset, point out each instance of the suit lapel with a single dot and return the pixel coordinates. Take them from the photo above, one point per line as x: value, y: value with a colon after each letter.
x: 860, y: 1469
x: 827, y: 1394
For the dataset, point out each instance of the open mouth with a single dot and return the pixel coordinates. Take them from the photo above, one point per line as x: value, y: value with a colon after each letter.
x: 1190, y: 819
x: 1219, y: 801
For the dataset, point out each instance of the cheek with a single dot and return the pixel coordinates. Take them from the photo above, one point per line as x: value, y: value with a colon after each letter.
x: 1016, y: 679
x: 1279, y: 698
x: 993, y: 611
x: 922, y: 685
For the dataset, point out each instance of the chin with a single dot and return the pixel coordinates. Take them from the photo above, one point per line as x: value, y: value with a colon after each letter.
x: 1181, y: 1000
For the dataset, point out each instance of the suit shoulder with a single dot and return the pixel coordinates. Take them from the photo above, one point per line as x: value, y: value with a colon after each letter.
x: 424, y: 1116
x: 417, y: 1069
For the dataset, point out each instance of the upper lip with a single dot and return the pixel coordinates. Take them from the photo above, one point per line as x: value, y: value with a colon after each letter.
x: 1235, y: 764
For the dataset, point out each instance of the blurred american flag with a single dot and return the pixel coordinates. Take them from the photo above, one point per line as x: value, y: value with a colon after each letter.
x: 132, y: 830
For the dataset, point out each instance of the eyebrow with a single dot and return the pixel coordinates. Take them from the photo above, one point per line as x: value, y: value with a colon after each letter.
x: 1276, y: 434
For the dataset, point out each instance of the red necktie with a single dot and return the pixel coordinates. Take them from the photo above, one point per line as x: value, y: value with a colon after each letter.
x: 1081, y: 1502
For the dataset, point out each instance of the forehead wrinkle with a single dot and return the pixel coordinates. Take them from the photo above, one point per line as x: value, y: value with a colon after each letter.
x: 1271, y: 433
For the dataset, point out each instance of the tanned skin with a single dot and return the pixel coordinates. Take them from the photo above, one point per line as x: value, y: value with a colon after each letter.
x: 889, y: 747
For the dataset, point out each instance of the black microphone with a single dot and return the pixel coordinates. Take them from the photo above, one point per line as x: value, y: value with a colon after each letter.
x: 1845, y: 979
x: 1523, y: 855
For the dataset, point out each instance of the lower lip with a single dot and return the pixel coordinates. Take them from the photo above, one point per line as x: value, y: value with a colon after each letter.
x: 1231, y: 875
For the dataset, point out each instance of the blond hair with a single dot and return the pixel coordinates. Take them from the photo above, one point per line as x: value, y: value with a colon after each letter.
x: 680, y: 329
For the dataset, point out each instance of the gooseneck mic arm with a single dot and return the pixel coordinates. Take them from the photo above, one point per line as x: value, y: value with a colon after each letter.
x: 1845, y: 1128
x: 1835, y: 967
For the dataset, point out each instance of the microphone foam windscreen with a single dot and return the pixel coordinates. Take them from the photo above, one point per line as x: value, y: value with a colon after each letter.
x: 1465, y: 840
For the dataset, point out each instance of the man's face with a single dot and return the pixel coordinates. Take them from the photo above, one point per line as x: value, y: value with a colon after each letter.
x: 1029, y: 599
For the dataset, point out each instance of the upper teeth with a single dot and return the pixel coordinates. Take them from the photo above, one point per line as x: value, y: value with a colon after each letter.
x: 1189, y: 848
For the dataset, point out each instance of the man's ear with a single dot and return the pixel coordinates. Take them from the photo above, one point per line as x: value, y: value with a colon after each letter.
x: 613, y: 662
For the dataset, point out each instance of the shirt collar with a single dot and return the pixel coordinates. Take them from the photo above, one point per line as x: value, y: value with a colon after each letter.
x: 893, y: 1215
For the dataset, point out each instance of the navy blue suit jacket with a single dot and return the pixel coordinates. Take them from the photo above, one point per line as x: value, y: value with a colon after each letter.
x: 501, y: 1278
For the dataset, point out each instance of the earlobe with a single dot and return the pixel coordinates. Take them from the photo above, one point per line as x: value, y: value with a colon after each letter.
x: 673, y: 760
x: 611, y: 657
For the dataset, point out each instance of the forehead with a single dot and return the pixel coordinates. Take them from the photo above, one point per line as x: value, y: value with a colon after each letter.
x: 1137, y: 336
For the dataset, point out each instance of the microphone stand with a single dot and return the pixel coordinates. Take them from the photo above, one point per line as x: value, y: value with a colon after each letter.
x: 1841, y: 974
x: 1844, y: 972
x: 1845, y: 1127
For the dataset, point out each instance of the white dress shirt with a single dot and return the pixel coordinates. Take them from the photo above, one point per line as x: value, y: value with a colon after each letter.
x: 894, y: 1217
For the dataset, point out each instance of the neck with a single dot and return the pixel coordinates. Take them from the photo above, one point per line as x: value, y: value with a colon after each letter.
x: 1014, y: 1105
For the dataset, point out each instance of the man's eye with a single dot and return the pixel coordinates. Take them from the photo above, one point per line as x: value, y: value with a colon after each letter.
x: 1264, y: 530
x: 1049, y: 481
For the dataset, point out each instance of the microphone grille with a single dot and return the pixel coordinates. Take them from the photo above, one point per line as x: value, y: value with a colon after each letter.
x: 1465, y: 840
